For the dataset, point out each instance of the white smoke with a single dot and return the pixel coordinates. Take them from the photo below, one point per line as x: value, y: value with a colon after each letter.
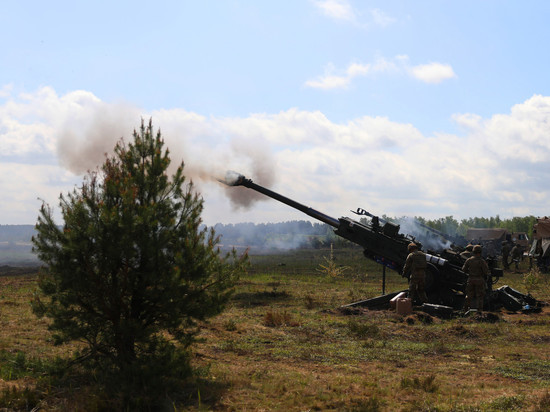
x: 92, y: 132
x: 428, y: 239
x: 94, y: 128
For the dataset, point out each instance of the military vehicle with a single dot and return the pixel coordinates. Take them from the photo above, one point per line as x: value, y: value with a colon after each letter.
x: 382, y: 242
x: 540, y: 249
x: 492, y: 239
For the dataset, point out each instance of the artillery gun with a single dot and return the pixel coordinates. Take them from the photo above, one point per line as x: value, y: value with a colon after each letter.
x: 382, y: 242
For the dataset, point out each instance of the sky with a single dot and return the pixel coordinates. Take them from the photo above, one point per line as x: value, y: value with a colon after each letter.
x: 405, y: 108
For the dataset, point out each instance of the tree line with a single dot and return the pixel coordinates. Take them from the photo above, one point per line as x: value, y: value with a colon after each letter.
x: 304, y: 234
x: 450, y: 225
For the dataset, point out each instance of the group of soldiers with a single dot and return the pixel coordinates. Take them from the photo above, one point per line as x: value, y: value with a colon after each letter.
x: 513, y: 251
x: 474, y: 266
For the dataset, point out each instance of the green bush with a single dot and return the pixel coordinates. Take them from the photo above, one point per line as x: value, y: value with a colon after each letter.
x: 132, y: 271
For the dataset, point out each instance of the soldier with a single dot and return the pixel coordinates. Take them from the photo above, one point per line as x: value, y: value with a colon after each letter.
x: 505, y: 255
x: 477, y: 270
x: 466, y: 254
x: 416, y: 263
x: 517, y: 254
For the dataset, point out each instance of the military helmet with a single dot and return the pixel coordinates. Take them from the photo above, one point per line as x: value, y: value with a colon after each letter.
x: 477, y: 249
x: 469, y: 247
x: 412, y: 246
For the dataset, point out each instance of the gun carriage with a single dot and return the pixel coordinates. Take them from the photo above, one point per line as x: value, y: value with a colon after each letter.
x: 382, y: 242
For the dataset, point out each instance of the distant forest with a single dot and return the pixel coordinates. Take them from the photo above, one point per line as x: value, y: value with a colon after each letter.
x: 300, y: 233
x: 452, y: 226
x: 15, y: 240
x: 285, y: 235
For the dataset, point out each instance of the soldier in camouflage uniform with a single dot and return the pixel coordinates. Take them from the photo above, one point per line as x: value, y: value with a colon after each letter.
x: 466, y: 254
x: 416, y: 263
x: 477, y: 270
x: 517, y: 254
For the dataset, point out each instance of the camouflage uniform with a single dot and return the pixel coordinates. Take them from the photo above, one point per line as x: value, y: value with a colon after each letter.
x: 416, y: 263
x: 505, y: 254
x: 477, y: 270
x: 517, y: 254
x: 466, y: 254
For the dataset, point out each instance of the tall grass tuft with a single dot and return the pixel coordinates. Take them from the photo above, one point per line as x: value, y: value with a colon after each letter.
x: 426, y: 384
x: 331, y: 268
x: 363, y: 330
x: 230, y: 325
x: 277, y: 318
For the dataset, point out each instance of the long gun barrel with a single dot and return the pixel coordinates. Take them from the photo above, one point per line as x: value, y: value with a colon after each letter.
x: 381, y: 243
x: 243, y: 181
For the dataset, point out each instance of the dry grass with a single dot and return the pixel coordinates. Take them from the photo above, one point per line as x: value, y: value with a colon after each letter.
x: 283, y: 344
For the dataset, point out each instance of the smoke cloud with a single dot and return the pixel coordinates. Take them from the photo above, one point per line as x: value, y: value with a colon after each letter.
x: 429, y: 240
x: 263, y: 172
x: 88, y: 136
x: 92, y: 132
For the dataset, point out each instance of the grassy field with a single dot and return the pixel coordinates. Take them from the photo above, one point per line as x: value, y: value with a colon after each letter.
x: 284, y: 343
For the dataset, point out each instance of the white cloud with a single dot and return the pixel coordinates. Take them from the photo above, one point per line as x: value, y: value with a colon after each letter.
x: 334, y: 81
x: 432, y: 72
x: 25, y: 186
x: 520, y: 136
x: 336, y: 9
x: 342, y: 10
x: 356, y: 69
x: 329, y: 81
x: 499, y: 166
x: 5, y: 91
x: 428, y: 73
x: 22, y: 124
x: 380, y: 18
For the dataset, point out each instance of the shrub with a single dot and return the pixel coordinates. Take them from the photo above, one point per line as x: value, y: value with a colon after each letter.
x: 131, y: 272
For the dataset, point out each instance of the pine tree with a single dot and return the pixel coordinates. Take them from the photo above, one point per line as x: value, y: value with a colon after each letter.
x: 132, y: 271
